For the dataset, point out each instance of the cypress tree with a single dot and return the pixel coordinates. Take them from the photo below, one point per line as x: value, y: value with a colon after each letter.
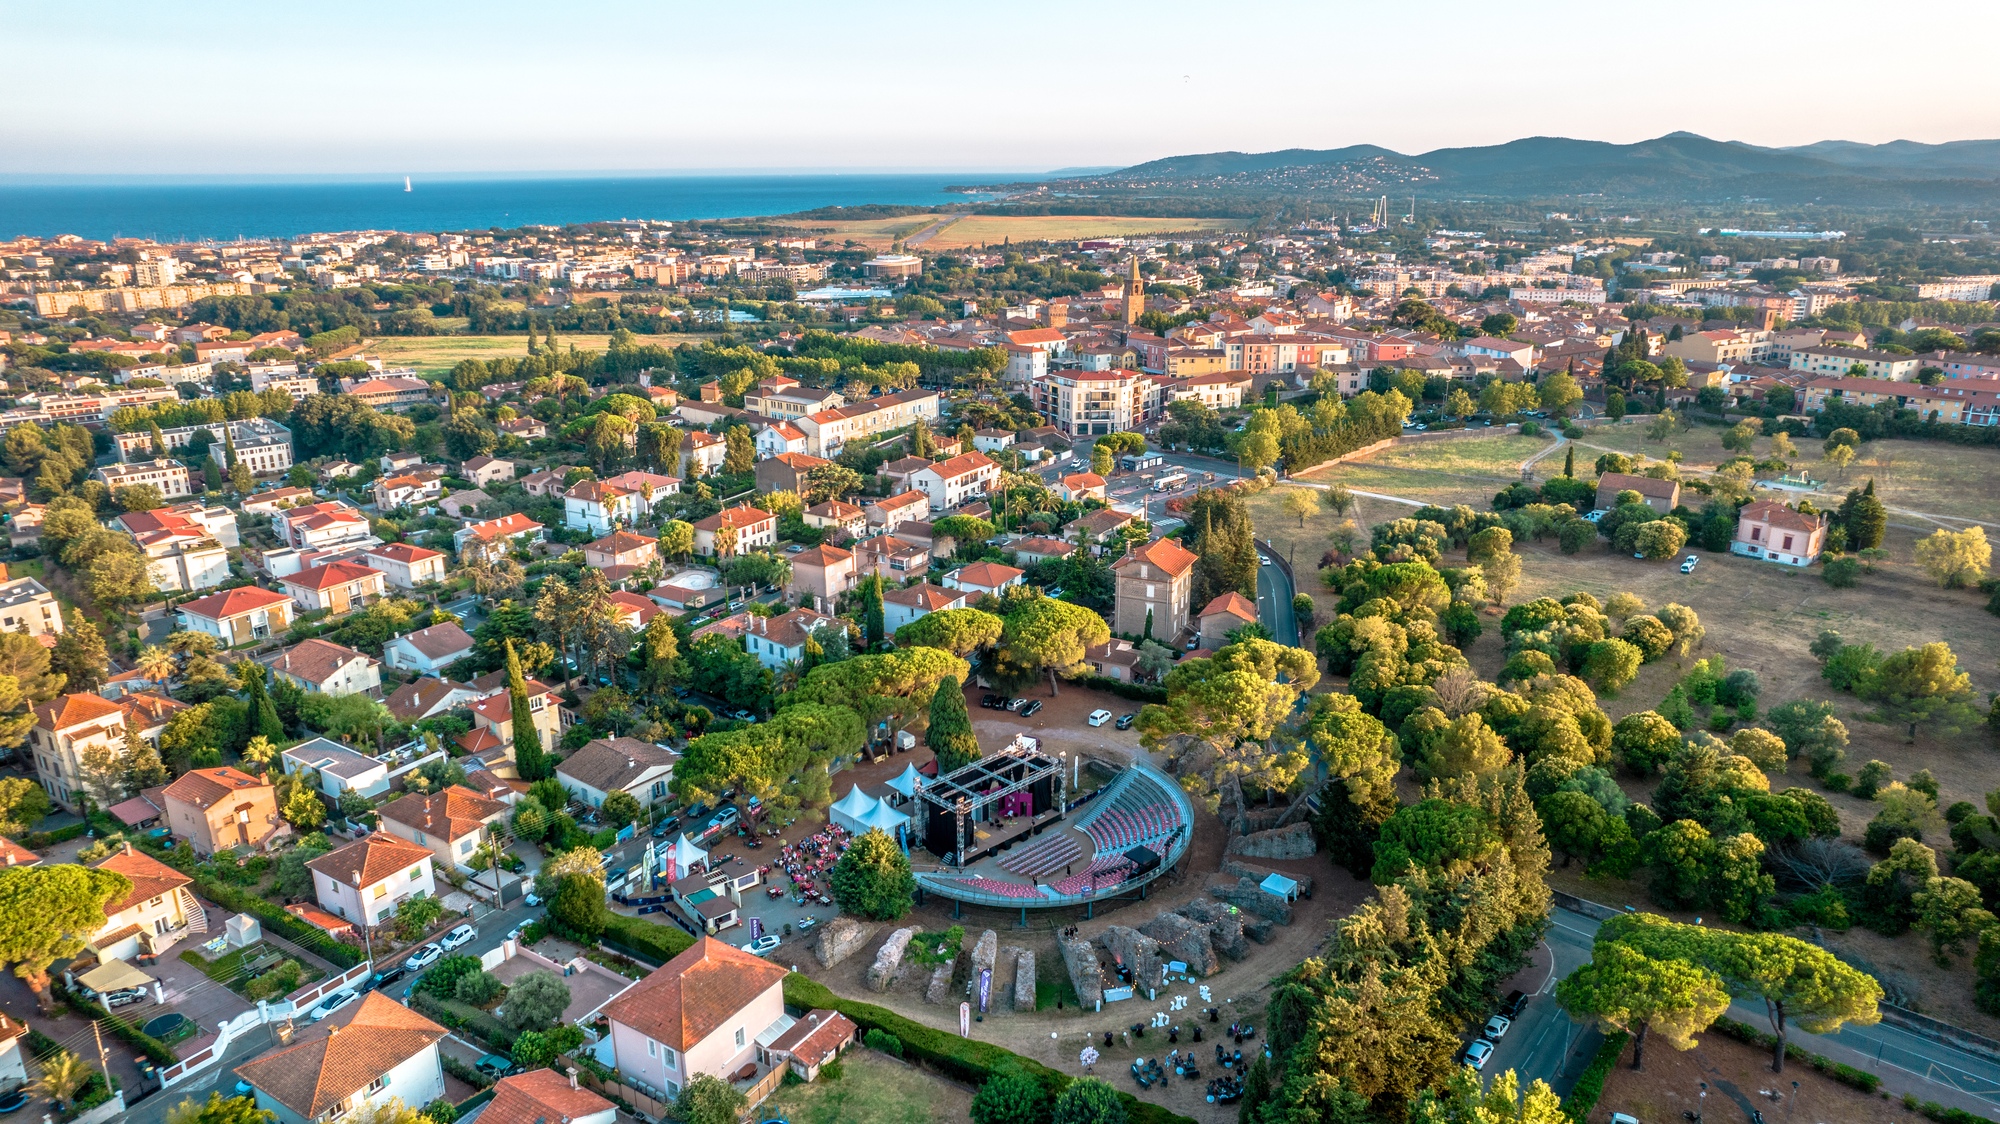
x: 263, y: 712
x: 529, y: 759
x: 950, y: 732
x: 872, y: 620
x: 1569, y: 462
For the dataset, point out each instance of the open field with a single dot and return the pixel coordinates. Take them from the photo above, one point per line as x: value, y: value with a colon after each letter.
x: 1933, y: 477
x: 437, y: 354
x: 871, y: 1088
x: 992, y: 230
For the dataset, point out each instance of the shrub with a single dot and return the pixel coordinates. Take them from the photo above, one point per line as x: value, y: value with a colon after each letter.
x: 1870, y: 780
x: 1590, y: 1086
x: 1841, y: 573
x: 478, y: 988
x: 638, y: 937
x: 881, y: 1041
x: 442, y: 978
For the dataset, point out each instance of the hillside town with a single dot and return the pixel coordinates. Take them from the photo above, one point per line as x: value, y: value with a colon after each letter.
x: 637, y: 729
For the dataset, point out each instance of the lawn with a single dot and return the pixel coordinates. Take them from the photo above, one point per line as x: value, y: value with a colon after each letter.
x: 991, y: 230
x: 873, y: 1089
x: 258, y: 971
x: 437, y: 354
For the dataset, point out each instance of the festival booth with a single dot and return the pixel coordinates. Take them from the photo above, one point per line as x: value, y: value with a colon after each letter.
x: 907, y: 783
x: 681, y: 857
x: 848, y: 811
x: 892, y: 823
x: 1279, y: 886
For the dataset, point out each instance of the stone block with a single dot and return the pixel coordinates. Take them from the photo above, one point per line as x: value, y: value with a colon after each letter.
x: 1085, y: 972
x: 1259, y: 873
x: 939, y: 989
x: 839, y: 939
x: 1136, y: 951
x: 1024, y: 980
x: 1291, y: 842
x: 1225, y: 926
x: 1244, y: 894
x: 1259, y: 929
x: 1185, y: 940
x: 985, y: 953
x: 889, y: 958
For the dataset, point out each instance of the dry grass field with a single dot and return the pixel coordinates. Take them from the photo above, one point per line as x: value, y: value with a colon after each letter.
x: 876, y: 233
x: 437, y: 354
x: 992, y: 230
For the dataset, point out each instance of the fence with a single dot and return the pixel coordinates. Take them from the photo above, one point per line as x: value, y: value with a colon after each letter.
x: 641, y: 1103
x: 277, y: 1010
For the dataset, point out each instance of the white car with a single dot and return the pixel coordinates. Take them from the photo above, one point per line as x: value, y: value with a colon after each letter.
x: 1477, y: 1054
x: 1496, y: 1027
x: 532, y: 899
x: 423, y: 958
x: 1263, y: 561
x: 1099, y: 717
x: 459, y: 937
x: 1687, y: 566
x: 331, y: 1004
x: 762, y: 946
x: 1593, y: 516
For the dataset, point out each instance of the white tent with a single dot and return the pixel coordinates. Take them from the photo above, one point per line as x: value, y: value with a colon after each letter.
x: 907, y: 782
x: 849, y: 810
x: 884, y: 817
x: 1277, y: 885
x: 681, y: 856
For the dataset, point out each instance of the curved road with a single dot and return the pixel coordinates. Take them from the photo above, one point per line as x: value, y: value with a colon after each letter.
x: 1274, y: 599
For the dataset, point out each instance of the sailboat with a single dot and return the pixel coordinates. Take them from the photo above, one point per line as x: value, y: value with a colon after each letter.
x: 406, y: 183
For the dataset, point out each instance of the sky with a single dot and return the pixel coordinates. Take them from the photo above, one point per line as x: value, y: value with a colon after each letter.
x: 443, y: 86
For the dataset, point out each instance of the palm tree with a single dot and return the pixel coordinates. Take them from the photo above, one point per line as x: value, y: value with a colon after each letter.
x: 62, y: 1075
x: 260, y: 752
x: 156, y: 663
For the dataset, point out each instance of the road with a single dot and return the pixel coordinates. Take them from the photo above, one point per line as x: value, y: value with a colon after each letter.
x: 1274, y: 599
x: 1544, y: 1044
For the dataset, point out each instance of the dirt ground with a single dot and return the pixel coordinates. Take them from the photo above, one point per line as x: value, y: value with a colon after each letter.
x: 1056, y: 1037
x: 1739, y: 1080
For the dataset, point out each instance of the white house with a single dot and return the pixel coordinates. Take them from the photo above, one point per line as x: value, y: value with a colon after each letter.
x: 777, y: 641
x: 608, y: 765
x: 712, y: 1009
x: 901, y: 606
x: 340, y: 769
x: 405, y: 566
x: 982, y: 577
x: 369, y: 878
x: 950, y: 483
x: 385, y: 1051
x: 159, y: 911
x: 326, y: 668
x: 428, y: 650
x: 781, y: 437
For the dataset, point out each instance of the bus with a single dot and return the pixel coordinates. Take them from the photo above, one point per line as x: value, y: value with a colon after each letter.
x: 1169, y: 480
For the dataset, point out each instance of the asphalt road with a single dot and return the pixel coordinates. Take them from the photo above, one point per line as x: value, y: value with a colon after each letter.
x: 1543, y: 1043
x: 1274, y: 600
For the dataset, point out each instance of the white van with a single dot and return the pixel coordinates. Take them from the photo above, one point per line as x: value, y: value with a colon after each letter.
x: 1099, y: 717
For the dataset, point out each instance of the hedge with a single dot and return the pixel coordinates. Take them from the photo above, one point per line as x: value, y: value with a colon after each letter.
x: 274, y: 916
x: 962, y: 1059
x: 1583, y: 1095
x: 1137, y: 692
x: 43, y: 840
x: 1940, y: 1113
x: 1845, y: 1074
x: 643, y: 939
x: 455, y: 1015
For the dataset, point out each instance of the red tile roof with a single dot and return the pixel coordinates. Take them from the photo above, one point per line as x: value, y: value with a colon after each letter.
x: 504, y: 527
x: 74, y: 710
x: 150, y: 878
x: 541, y: 1096
x: 451, y: 813
x: 321, y: 1070
x: 234, y: 603
x: 695, y: 993
x: 204, y: 788
x: 1233, y: 603
x: 370, y: 859
x: 1171, y: 557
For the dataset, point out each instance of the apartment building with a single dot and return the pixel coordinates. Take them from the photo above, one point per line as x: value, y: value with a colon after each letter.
x: 27, y: 606
x: 1715, y: 347
x: 1088, y: 403
x: 829, y: 431
x: 405, y: 566
x: 1953, y: 402
x: 749, y: 528
x: 1153, y: 585
x: 263, y: 444
x: 950, y: 483
x: 782, y: 398
x: 1843, y: 360
x: 170, y: 477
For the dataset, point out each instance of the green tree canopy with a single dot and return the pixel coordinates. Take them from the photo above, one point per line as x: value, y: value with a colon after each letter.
x: 872, y: 878
x: 1623, y: 989
x: 47, y: 913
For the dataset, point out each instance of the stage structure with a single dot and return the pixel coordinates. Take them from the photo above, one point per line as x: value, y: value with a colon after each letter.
x: 987, y: 805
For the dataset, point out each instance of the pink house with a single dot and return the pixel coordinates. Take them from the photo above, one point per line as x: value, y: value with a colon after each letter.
x: 713, y: 1009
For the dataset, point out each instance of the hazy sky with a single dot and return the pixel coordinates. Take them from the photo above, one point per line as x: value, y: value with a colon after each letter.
x: 420, y: 86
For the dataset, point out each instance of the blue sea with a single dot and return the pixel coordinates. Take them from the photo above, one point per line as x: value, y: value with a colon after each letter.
x: 226, y: 209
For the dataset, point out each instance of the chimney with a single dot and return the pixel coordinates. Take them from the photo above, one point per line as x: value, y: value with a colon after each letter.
x: 572, y: 1077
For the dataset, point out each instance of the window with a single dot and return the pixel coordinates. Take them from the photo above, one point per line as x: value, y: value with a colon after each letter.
x: 416, y: 872
x: 1756, y: 534
x: 667, y: 1054
x: 381, y: 891
x: 379, y: 1084
x: 739, y: 1036
x: 420, y: 838
x: 1788, y: 542
x: 652, y: 1048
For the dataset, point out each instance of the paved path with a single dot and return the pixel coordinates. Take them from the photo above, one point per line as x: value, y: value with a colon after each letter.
x: 1536, y: 459
x: 930, y: 232
x: 1545, y: 1044
x: 1274, y: 600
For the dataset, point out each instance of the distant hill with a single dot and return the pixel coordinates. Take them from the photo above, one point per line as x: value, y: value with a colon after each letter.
x: 1679, y: 166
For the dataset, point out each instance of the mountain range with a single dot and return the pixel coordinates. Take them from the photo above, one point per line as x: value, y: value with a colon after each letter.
x: 1680, y: 167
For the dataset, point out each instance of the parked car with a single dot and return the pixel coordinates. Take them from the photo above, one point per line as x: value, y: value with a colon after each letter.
x: 332, y: 1003
x: 1476, y: 1055
x: 532, y: 899
x: 666, y: 827
x: 1099, y: 717
x: 1017, y: 705
x: 1688, y: 564
x: 1515, y: 1003
x: 385, y: 976
x: 496, y: 1065
x: 125, y: 995
x: 1029, y: 710
x: 1496, y: 1027
x: 1592, y: 516
x: 458, y: 938
x: 425, y: 957
x: 993, y: 702
x: 762, y: 946
x: 793, y: 548
x: 1262, y: 560
x: 1125, y: 721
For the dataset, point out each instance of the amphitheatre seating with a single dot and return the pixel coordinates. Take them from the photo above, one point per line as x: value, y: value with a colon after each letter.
x: 1134, y: 813
x: 1041, y: 857
x: 1003, y: 889
x: 1101, y: 870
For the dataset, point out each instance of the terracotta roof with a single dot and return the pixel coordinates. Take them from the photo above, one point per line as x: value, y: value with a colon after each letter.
x: 986, y: 575
x: 1233, y: 603
x: 315, y: 661
x: 903, y: 466
x: 204, y: 788
x: 740, y: 516
x: 541, y: 1096
x: 504, y: 527
x: 900, y: 500
x: 1083, y: 480
x: 1778, y: 515
x: 440, y: 640
x: 1644, y: 485
x: 1041, y: 544
x: 612, y: 763
x: 816, y: 1038
x: 13, y: 854
x: 369, y: 859
x: 150, y: 878
x: 790, y: 630
x: 696, y: 992
x: 923, y: 595
x: 74, y: 710
x: 632, y: 604
x: 450, y: 813
x: 315, y: 1074
x: 964, y: 464
x: 405, y: 553
x: 799, y: 462
x: 1171, y: 557
x: 234, y: 602
x: 618, y: 542
x: 821, y: 556
x: 417, y: 700
x: 332, y: 574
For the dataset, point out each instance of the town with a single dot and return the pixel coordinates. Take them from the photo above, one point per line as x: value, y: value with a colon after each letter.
x: 1132, y: 670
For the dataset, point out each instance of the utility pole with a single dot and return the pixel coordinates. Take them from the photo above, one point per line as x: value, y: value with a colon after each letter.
x: 103, y: 1060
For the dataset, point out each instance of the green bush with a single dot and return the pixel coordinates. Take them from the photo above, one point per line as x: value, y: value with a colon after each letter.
x: 465, y: 1071
x: 961, y: 1059
x: 1583, y: 1095
x: 281, y: 980
x: 1137, y: 692
x: 881, y: 1041
x: 1845, y: 1074
x: 635, y: 936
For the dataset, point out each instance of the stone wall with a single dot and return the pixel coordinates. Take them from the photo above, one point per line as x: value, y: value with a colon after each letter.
x: 1259, y: 873
x: 1224, y: 924
x: 883, y: 972
x: 1136, y: 951
x: 1184, y: 940
x: 1024, y: 980
x: 1293, y: 841
x: 1244, y: 894
x: 939, y: 989
x: 840, y: 939
x: 1085, y: 973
